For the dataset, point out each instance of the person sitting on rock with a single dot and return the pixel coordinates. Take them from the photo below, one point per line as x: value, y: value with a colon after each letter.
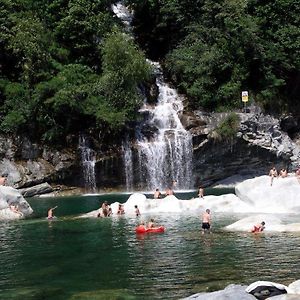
x: 283, y: 173
x: 15, y: 209
x: 3, y: 179
x: 273, y: 173
x: 157, y: 194
x: 169, y: 192
x: 258, y: 227
x: 121, y: 210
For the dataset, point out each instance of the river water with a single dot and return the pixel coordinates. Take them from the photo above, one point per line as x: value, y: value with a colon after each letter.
x: 72, y: 258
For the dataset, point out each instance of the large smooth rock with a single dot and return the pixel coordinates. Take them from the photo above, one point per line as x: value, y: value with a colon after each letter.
x: 231, y: 292
x: 285, y: 297
x: 295, y: 287
x: 280, y: 197
x: 10, y: 196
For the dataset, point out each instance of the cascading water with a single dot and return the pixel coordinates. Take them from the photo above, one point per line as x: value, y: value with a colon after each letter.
x: 128, y: 163
x: 166, y: 154
x: 88, y: 160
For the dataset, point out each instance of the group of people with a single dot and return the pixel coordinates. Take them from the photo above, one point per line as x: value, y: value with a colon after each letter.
x: 158, y: 194
x: 169, y: 191
x: 206, y: 224
x: 106, y: 210
x: 273, y: 173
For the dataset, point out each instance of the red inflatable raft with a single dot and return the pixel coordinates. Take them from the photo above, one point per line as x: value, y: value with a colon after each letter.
x: 143, y: 229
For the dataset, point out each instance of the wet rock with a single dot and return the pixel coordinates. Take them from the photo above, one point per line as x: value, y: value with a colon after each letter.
x: 39, y: 189
x: 190, y: 120
x: 8, y: 197
x: 289, y: 124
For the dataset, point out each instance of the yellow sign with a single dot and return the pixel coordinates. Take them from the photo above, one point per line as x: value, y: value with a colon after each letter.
x: 245, y: 96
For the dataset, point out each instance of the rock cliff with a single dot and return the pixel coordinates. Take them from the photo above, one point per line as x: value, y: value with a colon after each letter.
x: 258, y: 144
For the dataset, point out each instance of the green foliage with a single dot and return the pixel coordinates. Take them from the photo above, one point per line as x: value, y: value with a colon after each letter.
x: 16, y: 109
x: 64, y: 70
x: 65, y: 65
x: 228, y: 128
x: 215, y: 49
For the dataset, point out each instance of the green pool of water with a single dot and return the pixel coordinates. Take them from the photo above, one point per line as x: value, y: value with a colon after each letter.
x: 73, y: 258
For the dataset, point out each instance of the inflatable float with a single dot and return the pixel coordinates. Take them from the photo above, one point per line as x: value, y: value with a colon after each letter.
x: 143, y: 229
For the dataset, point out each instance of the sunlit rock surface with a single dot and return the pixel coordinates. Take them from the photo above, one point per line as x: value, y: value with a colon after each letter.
x: 295, y: 287
x: 285, y: 297
x: 280, y: 197
x: 230, y: 292
x: 273, y: 223
x: 238, y: 292
x: 10, y: 196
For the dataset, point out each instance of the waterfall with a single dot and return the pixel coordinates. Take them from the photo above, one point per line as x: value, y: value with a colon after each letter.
x: 163, y: 146
x: 88, y: 160
x: 128, y: 164
x: 167, y: 154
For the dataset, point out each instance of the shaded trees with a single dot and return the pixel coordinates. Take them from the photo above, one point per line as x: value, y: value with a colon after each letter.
x: 66, y: 67
x: 214, y: 49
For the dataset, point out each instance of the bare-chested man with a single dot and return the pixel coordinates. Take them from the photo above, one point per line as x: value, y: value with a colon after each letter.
x: 206, y: 221
x: 50, y: 215
x: 272, y: 174
x: 157, y: 194
x: 201, y: 192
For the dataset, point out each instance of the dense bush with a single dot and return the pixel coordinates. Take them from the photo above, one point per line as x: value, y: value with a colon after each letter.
x: 228, y: 128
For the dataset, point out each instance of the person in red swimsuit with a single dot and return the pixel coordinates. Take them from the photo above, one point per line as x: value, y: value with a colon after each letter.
x: 258, y: 228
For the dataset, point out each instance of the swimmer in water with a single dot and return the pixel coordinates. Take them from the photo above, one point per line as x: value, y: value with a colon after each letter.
x: 50, y: 213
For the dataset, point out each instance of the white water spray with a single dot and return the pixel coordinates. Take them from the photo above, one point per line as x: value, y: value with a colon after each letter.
x: 88, y: 160
x: 128, y: 163
x: 167, y: 154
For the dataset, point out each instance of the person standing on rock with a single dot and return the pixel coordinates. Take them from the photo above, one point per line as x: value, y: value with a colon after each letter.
x: 201, y: 192
x: 206, y: 221
x: 272, y: 174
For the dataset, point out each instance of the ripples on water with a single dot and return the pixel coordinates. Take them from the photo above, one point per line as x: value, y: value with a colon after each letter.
x: 100, y: 258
